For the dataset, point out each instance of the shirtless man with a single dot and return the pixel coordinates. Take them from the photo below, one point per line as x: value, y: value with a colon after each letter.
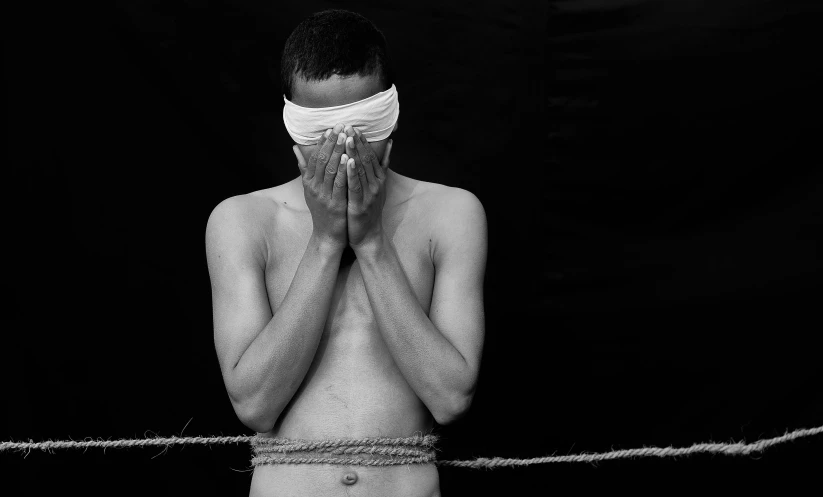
x: 383, y: 346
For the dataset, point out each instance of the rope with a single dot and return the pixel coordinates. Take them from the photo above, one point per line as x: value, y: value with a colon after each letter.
x: 728, y: 449
x: 344, y: 461
x: 378, y: 451
x: 51, y: 445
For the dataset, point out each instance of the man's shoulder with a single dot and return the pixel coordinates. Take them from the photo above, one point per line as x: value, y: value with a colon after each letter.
x: 450, y: 203
x: 458, y: 220
x: 242, y: 210
x: 241, y: 220
x: 252, y: 208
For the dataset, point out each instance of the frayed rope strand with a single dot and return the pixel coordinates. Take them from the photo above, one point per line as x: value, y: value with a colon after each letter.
x: 729, y: 449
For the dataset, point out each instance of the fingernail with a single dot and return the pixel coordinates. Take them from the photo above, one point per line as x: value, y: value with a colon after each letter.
x: 340, y: 138
x: 327, y: 133
x: 338, y: 128
x: 349, y: 142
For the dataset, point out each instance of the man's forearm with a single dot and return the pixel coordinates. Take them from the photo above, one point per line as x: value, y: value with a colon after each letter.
x: 433, y: 367
x: 275, y: 363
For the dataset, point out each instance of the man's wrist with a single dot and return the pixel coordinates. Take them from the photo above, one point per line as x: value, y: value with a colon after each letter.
x: 370, y: 246
x: 326, y: 247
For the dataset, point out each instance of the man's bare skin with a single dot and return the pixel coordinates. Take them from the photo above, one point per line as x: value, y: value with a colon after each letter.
x: 399, y: 340
x: 353, y: 388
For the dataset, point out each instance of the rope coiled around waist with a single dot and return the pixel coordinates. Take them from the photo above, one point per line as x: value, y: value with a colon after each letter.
x: 376, y: 451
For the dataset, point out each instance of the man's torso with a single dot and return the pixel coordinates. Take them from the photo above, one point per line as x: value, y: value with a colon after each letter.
x: 353, y: 388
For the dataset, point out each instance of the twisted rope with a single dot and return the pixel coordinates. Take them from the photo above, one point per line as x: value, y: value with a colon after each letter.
x: 51, y: 445
x: 383, y: 451
x: 378, y: 451
x: 346, y: 461
x: 728, y: 449
x: 414, y: 441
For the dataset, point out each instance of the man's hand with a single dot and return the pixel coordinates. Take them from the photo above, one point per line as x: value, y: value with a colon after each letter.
x: 324, y: 186
x: 367, y: 190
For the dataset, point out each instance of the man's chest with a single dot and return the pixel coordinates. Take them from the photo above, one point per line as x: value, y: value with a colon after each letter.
x: 410, y: 234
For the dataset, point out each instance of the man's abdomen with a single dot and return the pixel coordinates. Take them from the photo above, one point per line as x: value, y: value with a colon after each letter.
x: 282, y: 480
x: 352, y: 390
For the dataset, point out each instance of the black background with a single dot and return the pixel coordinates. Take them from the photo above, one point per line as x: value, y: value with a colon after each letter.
x: 651, y: 176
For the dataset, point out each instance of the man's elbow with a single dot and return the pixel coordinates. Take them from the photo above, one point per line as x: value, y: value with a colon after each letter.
x: 453, y: 410
x: 255, y: 418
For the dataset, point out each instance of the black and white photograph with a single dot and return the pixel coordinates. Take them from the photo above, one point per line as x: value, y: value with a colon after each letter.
x: 586, y: 259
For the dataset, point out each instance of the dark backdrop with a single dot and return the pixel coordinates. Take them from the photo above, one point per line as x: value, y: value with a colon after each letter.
x: 650, y: 172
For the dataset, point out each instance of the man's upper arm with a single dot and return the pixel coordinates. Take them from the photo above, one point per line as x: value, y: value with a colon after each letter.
x: 459, y: 257
x: 236, y: 259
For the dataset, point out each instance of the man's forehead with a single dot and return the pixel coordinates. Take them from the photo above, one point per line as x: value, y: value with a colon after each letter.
x: 337, y: 90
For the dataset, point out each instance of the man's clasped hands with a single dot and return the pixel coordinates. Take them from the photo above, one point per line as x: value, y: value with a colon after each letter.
x: 345, y: 188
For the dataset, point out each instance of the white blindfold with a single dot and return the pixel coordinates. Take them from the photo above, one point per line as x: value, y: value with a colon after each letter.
x: 375, y: 117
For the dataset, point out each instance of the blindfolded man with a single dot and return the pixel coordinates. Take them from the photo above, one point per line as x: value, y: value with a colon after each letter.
x: 313, y: 346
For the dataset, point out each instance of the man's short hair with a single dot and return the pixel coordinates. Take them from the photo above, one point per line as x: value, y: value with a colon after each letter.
x: 335, y: 42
